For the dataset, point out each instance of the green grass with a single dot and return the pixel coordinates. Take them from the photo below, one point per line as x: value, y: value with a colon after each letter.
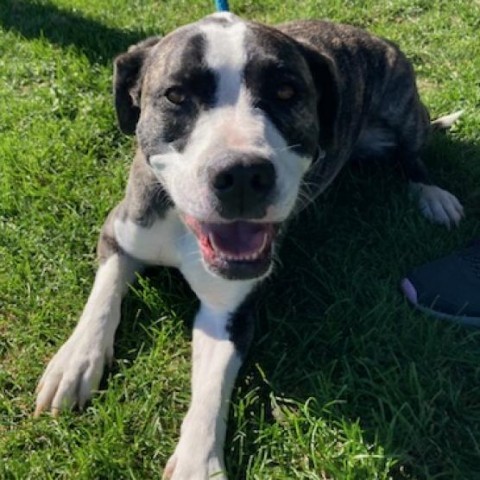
x: 344, y: 380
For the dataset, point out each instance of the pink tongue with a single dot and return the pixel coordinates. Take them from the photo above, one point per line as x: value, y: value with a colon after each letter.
x: 238, y: 238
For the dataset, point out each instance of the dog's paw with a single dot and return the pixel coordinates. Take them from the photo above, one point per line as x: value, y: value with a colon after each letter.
x: 189, y: 467
x: 438, y: 205
x: 73, y: 374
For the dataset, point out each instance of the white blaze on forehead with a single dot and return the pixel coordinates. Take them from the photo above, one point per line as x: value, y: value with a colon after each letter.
x: 225, y: 54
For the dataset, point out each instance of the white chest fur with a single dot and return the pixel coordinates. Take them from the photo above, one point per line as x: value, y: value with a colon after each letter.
x: 158, y: 244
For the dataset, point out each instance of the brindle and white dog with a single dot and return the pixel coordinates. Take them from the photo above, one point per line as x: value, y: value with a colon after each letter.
x: 236, y: 123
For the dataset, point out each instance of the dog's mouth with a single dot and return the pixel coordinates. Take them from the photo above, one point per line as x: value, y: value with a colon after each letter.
x: 237, y: 250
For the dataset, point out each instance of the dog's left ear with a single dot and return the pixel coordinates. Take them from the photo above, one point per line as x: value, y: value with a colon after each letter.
x: 325, y: 76
x: 127, y: 83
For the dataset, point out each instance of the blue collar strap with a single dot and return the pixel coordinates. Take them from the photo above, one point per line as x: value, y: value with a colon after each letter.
x: 222, y: 5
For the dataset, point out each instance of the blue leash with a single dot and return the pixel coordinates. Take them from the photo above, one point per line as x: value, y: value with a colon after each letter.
x: 222, y: 5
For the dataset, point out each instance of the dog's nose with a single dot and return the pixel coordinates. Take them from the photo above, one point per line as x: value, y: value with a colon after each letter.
x: 243, y: 188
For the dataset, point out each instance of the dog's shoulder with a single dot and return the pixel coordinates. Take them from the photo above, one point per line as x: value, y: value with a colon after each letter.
x: 340, y: 41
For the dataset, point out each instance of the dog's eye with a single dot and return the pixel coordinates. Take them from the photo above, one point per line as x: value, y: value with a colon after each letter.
x: 176, y: 95
x: 285, y: 92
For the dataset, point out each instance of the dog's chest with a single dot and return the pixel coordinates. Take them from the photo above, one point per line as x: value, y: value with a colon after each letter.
x: 155, y: 244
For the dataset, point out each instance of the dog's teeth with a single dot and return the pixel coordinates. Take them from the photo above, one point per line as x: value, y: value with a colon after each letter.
x: 239, y: 258
x: 211, y: 239
x: 264, y: 243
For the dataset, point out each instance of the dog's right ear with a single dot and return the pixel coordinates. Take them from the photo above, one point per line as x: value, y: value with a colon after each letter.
x: 127, y: 82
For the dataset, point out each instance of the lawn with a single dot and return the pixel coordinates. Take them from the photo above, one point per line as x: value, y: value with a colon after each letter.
x: 344, y: 380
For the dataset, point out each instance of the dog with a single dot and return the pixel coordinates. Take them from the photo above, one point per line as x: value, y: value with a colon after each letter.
x: 238, y: 125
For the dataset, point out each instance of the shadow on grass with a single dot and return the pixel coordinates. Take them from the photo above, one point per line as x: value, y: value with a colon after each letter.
x: 66, y: 28
x: 333, y: 327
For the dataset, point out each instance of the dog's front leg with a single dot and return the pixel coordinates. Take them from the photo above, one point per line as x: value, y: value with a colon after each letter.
x: 220, y: 339
x: 76, y: 369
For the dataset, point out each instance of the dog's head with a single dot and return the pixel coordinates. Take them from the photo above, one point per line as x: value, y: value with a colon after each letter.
x: 229, y: 115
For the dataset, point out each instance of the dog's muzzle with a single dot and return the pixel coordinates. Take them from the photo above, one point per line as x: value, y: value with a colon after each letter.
x: 237, y: 250
x: 239, y: 245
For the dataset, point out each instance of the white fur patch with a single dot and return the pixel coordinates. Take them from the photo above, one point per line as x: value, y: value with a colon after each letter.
x: 228, y: 16
x: 438, y: 205
x: 157, y: 244
x: 215, y: 367
x: 290, y: 168
x: 447, y: 121
x: 217, y: 293
x: 226, y: 56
